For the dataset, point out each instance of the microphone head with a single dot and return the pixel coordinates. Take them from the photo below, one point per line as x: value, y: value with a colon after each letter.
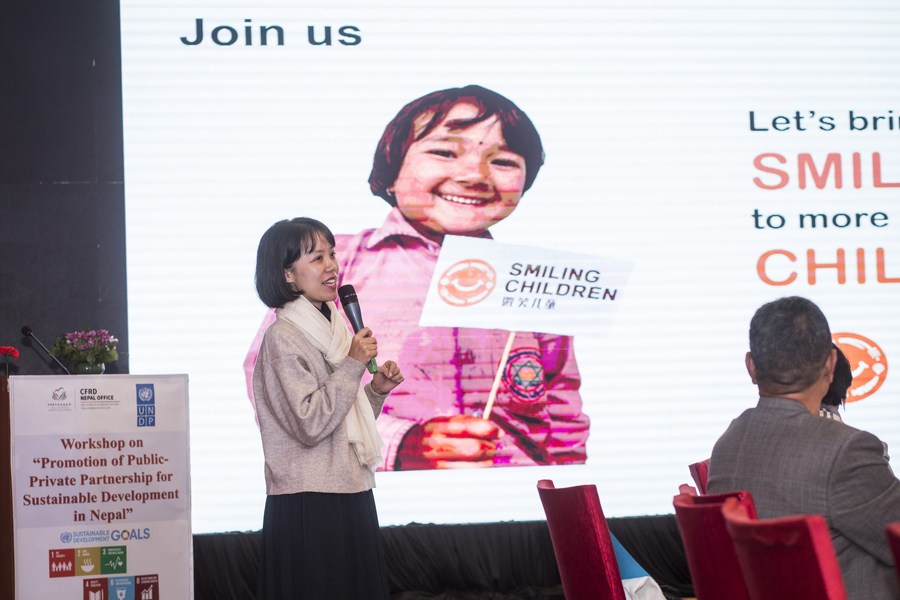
x: 26, y: 331
x: 347, y: 294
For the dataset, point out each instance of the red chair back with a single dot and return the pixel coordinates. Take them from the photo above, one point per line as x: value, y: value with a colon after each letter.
x: 788, y: 558
x: 711, y: 558
x: 893, y: 534
x: 581, y: 542
x: 700, y: 474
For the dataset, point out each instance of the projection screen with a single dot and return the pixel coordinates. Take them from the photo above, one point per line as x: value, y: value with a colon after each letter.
x: 729, y: 153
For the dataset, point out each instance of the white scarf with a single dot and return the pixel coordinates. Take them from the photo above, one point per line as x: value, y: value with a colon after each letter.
x: 332, y: 338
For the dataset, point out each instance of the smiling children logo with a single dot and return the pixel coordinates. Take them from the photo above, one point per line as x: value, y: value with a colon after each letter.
x: 467, y: 282
x: 867, y: 362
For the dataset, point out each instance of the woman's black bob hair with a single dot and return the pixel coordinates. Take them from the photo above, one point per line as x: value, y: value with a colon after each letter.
x: 280, y: 246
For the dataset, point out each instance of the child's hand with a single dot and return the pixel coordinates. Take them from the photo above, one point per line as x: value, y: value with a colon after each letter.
x: 458, y: 442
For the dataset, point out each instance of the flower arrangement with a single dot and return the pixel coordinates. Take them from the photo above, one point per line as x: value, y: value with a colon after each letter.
x: 94, y: 347
x: 8, y: 353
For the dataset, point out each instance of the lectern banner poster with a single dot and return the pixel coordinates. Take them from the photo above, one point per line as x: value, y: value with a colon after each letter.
x: 101, y: 487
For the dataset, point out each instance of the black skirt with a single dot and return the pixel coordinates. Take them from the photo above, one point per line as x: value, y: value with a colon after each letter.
x: 322, y: 547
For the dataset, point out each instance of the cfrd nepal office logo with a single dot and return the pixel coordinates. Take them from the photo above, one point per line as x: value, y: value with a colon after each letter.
x: 467, y: 282
x: 867, y: 362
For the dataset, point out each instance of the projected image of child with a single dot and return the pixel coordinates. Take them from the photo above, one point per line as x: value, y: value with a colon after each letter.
x: 455, y: 162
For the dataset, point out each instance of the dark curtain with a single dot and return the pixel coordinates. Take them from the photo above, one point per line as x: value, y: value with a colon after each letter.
x: 488, y: 561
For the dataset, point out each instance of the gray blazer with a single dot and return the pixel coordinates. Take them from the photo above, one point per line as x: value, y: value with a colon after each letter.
x: 794, y: 462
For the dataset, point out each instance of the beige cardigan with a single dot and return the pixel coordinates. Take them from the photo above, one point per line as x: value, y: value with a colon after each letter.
x: 301, y: 404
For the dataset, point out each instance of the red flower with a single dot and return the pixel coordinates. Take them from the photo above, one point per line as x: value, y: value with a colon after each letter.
x: 9, y: 352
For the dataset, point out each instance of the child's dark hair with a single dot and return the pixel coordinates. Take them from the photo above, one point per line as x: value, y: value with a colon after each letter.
x: 280, y: 246
x: 840, y: 382
x: 519, y: 132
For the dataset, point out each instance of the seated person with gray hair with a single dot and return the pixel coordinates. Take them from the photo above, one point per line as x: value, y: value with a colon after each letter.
x: 795, y: 462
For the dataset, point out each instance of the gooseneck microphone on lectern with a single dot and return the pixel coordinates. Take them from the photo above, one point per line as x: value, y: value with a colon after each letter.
x: 26, y: 331
x: 351, y: 308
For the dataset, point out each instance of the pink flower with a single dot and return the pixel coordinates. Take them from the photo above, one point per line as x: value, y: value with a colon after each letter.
x: 86, y: 340
x: 94, y: 347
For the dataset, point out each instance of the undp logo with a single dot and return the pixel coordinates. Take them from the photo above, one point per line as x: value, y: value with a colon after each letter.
x: 145, y: 393
x: 867, y: 361
x: 467, y: 282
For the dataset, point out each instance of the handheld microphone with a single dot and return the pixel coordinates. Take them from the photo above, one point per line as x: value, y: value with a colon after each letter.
x: 26, y: 331
x: 351, y: 308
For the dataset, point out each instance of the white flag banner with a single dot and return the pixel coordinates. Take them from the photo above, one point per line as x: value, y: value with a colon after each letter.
x: 486, y: 284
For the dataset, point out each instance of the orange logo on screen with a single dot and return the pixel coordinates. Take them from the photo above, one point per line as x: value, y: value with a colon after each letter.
x: 867, y: 361
x: 467, y: 282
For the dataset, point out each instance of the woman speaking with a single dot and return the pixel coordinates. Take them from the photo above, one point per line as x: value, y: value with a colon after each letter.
x: 320, y: 536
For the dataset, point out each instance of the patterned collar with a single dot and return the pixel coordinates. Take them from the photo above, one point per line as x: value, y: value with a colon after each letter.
x: 396, y: 226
